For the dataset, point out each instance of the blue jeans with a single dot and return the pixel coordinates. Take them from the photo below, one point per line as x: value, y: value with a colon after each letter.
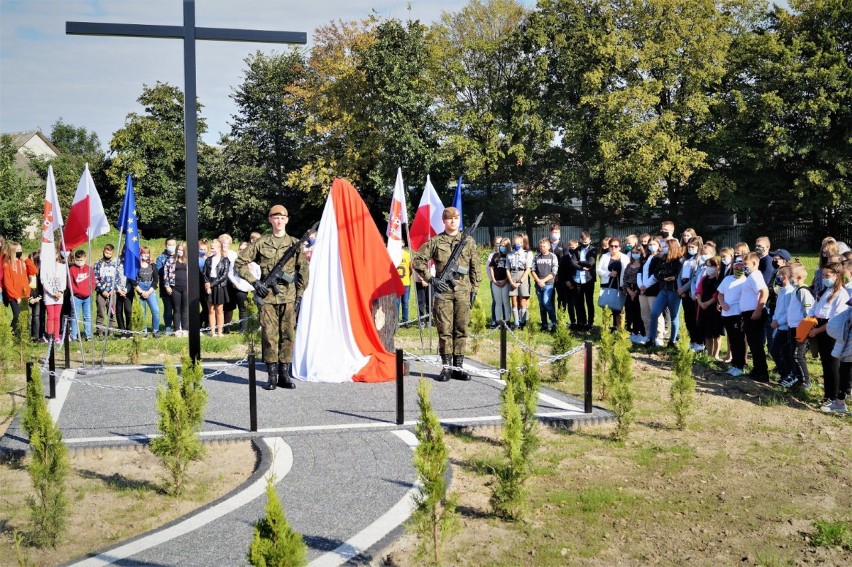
x: 82, y: 307
x: 404, y: 302
x: 154, y: 303
x: 665, y: 299
x: 546, y: 306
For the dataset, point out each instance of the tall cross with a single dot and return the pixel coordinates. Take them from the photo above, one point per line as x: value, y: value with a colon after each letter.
x: 188, y: 33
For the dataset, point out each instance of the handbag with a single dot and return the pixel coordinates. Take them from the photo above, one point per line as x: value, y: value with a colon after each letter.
x: 611, y: 298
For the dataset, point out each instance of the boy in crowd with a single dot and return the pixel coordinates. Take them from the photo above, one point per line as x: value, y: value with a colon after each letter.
x: 168, y: 315
x: 105, y: 272
x: 800, y: 303
x: 781, y: 348
x: 81, y: 294
x: 544, y: 272
x: 584, y: 261
x: 755, y: 293
x: 566, y: 289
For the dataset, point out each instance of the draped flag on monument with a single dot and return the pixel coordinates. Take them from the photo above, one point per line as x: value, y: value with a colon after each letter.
x: 427, y: 221
x: 86, y: 219
x: 458, y: 204
x: 128, y: 225
x: 398, y: 216
x: 350, y: 268
x: 52, y: 222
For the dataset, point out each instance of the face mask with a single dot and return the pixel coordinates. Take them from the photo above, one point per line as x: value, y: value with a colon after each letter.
x: 692, y: 251
x: 653, y: 248
x: 704, y: 257
x: 726, y: 261
x: 628, y: 248
x: 180, y: 253
x: 665, y: 249
x: 760, y: 250
x: 19, y: 254
x: 311, y: 241
x: 170, y: 249
x: 635, y: 256
x: 775, y: 264
x: 145, y: 258
x: 738, y: 273
x: 665, y: 233
x: 554, y: 237
x: 711, y: 272
x: 516, y: 247
x: 502, y: 249
x: 202, y: 253
x: 828, y: 282
x: 80, y: 264
x: 747, y: 271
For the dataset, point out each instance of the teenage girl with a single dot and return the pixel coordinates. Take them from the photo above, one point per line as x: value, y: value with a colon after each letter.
x: 216, y: 286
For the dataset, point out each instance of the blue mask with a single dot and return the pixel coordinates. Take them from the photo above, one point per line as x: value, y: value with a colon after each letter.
x: 665, y: 249
x: 653, y: 248
x: 311, y: 241
x: 516, y: 247
x: 502, y: 249
x: 828, y: 282
x: 704, y: 257
x: 202, y: 253
x: 635, y: 256
x: 747, y: 271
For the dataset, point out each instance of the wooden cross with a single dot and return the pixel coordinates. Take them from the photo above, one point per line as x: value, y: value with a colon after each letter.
x: 189, y: 33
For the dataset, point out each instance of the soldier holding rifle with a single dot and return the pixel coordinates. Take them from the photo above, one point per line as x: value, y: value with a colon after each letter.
x: 454, y: 286
x: 281, y: 296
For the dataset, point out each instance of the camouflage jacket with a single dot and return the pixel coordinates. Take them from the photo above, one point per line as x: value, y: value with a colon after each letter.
x: 439, y: 249
x: 265, y: 252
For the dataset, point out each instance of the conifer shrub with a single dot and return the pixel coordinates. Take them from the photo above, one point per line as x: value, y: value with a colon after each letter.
x: 22, y: 333
x: 620, y: 378
x: 275, y: 543
x: 526, y: 392
x: 434, y: 519
x: 180, y: 405
x: 561, y: 343
x: 508, y: 493
x: 683, y: 385
x: 605, y: 353
x: 7, y: 355
x: 477, y: 325
x: 48, y: 467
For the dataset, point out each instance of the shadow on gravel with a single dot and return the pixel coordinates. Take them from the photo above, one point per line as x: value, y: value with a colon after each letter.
x: 321, y: 543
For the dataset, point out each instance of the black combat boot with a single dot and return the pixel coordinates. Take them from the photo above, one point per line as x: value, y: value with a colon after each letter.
x: 285, y: 378
x: 272, y: 371
x: 458, y: 360
x: 446, y: 373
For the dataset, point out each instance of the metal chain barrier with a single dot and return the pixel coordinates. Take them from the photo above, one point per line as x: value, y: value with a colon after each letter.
x: 146, y: 332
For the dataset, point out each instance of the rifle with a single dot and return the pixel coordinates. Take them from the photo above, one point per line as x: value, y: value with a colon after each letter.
x: 277, y: 274
x: 451, y: 268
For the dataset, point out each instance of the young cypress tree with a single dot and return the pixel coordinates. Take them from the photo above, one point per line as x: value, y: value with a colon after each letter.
x: 48, y: 467
x: 508, y: 493
x: 275, y: 544
x: 620, y: 378
x: 22, y: 333
x: 136, y: 323
x: 561, y: 343
x: 6, y: 341
x: 683, y: 386
x: 605, y: 353
x: 434, y: 519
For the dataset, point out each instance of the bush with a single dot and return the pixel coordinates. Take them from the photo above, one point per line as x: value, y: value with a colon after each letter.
x: 508, y: 494
x: 620, y: 378
x: 434, y: 518
x: 180, y: 404
x: 528, y: 382
x: 48, y: 467
x: 275, y: 544
x: 683, y: 386
x: 605, y: 353
x: 477, y: 325
x: 832, y: 534
x: 6, y: 341
x: 561, y: 343
x: 22, y: 333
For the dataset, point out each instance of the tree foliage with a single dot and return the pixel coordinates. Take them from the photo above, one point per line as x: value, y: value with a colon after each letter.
x: 275, y: 543
x: 15, y: 194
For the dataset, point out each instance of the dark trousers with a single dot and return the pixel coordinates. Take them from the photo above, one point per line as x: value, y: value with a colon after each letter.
x: 734, y: 328
x: 800, y: 364
x: 423, y: 299
x: 782, y: 352
x: 633, y: 316
x: 690, y: 318
x: 585, y: 303
x: 240, y: 297
x: 124, y: 311
x: 566, y: 299
x: 36, y: 321
x: 755, y: 335
x: 845, y: 380
x: 830, y: 365
x: 180, y: 308
x: 16, y: 311
x: 168, y: 311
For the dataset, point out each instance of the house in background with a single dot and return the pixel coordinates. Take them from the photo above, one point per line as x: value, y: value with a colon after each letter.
x: 27, y: 144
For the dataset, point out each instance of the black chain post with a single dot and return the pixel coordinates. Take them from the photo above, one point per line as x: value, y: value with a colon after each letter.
x: 51, y: 365
x: 252, y: 391
x: 67, y: 342
x: 29, y: 370
x: 503, y: 345
x: 587, y: 393
x: 400, y: 402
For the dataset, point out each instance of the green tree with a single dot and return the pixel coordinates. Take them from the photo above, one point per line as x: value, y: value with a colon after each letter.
x: 275, y: 544
x: 150, y: 147
x: 264, y: 145
x: 16, y: 194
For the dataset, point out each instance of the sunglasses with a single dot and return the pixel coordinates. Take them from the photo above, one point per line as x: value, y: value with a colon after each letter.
x: 615, y: 246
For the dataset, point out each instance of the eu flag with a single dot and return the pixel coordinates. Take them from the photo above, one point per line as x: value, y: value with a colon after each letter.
x: 457, y: 203
x: 128, y: 225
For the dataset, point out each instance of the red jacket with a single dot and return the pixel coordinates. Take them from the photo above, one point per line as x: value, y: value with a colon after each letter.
x: 82, y: 281
x: 16, y: 277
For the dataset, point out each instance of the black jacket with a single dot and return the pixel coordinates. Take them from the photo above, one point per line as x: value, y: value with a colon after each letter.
x: 590, y: 262
x: 220, y: 278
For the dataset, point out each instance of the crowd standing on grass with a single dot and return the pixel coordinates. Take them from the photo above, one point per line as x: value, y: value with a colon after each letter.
x: 762, y: 301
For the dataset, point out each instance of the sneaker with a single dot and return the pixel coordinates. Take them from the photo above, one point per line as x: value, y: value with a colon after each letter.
x: 788, y: 381
x: 660, y: 342
x: 827, y: 406
x: 168, y: 330
x: 735, y: 372
x: 840, y: 408
x: 642, y: 340
x: 698, y: 348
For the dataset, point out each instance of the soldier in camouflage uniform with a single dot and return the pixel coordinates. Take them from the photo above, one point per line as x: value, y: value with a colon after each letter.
x: 279, y: 310
x: 452, y: 309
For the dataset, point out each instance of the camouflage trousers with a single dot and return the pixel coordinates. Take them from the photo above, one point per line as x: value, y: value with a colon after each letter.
x: 452, y: 315
x: 277, y: 324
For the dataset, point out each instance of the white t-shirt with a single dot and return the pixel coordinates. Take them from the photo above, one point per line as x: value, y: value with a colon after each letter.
x: 827, y: 308
x: 732, y: 289
x: 751, y: 291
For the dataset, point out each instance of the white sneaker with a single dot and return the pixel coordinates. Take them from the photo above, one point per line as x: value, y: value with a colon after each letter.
x: 698, y: 348
x: 660, y: 342
x: 168, y: 330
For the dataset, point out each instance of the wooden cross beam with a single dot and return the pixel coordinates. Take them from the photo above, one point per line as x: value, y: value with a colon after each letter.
x: 189, y: 33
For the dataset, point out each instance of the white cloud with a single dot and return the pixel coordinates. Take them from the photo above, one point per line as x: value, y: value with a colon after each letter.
x: 94, y: 81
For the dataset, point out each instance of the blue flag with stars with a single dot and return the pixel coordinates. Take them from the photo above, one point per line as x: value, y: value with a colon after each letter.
x: 457, y: 203
x: 128, y: 225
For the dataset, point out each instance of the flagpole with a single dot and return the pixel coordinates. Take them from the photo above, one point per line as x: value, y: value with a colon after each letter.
x: 92, y: 275
x: 71, y: 291
x: 111, y: 302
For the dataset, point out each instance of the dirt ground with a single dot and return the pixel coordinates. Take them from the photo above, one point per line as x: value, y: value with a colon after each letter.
x: 742, y: 484
x: 115, y: 494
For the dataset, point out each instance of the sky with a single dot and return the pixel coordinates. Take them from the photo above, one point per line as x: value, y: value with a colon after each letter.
x: 94, y: 81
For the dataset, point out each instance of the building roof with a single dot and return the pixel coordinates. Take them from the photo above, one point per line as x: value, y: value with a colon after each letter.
x: 20, y: 139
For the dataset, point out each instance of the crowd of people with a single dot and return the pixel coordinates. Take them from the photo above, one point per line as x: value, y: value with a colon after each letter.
x: 762, y: 301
